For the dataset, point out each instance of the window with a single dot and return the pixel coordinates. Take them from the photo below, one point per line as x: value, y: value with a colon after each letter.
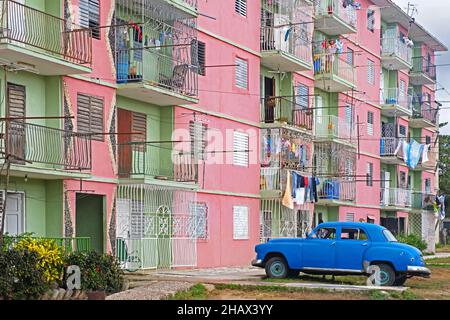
x: 241, y: 73
x: 197, y: 132
x: 369, y: 175
x: 90, y: 16
x: 350, y: 56
x: 402, y: 89
x: 402, y: 179
x: 90, y: 115
x: 302, y: 96
x: 371, y: 20
x: 370, y: 71
x: 325, y: 233
x: 427, y: 140
x: 240, y: 223
x: 349, y: 115
x: 199, y: 223
x: 350, y: 217
x: 427, y: 185
x: 370, y: 122
x: 353, y: 234
x: 240, y: 149
x: 139, y: 127
x: 240, y: 6
x: 402, y: 131
x: 198, y: 54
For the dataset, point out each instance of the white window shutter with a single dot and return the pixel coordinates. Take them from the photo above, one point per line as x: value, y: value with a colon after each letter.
x: 370, y: 123
x: 302, y: 96
x: 350, y: 217
x: 241, y: 73
x: 240, y: 223
x: 240, y: 6
x: 240, y: 148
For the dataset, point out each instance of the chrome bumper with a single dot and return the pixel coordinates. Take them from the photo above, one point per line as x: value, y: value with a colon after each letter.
x: 419, y: 271
x: 257, y: 263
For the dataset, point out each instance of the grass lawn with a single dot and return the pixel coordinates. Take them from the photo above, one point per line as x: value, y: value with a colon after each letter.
x: 435, y: 288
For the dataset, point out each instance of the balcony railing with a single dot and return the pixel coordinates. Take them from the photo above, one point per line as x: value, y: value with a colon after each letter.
x: 333, y: 127
x: 281, y: 109
x: 388, y: 146
x: 396, y: 47
x: 158, y: 161
x: 154, y: 68
x: 423, y: 201
x: 270, y: 179
x: 396, y: 197
x: 30, y: 28
x: 422, y: 66
x: 395, y: 96
x: 337, y: 189
x: 26, y: 143
x: 335, y: 7
x: 296, y: 44
x: 427, y: 111
x: 76, y: 244
x: 329, y: 65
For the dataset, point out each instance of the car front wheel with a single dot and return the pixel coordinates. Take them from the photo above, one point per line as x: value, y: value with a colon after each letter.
x: 400, y: 280
x: 276, y: 268
x: 383, y: 275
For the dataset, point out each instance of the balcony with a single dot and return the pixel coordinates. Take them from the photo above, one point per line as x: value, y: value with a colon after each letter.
x: 333, y: 19
x: 333, y: 128
x: 423, y: 201
x: 425, y: 115
x: 44, y: 152
x: 396, y: 198
x: 395, y: 54
x: 395, y: 102
x: 335, y: 190
x: 139, y: 160
x: 35, y: 41
x: 388, y: 148
x: 423, y: 72
x: 150, y: 76
x: 286, y: 55
x: 281, y: 110
x: 333, y: 73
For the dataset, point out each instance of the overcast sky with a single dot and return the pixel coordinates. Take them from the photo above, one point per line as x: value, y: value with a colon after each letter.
x: 434, y: 15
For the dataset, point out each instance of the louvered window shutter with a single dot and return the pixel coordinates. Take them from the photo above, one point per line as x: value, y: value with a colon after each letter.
x: 240, y: 148
x: 240, y: 6
x: 350, y: 217
x: 302, y: 96
x: 90, y: 16
x: 201, y: 53
x: 241, y: 73
x: 90, y: 115
x: 240, y: 223
x: 139, y: 127
x: 348, y: 115
x: 197, y: 132
x: 370, y: 123
x: 16, y: 100
x: 371, y: 20
x: 370, y: 72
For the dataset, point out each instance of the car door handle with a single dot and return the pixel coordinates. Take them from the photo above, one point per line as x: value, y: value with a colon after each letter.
x: 365, y: 244
x: 333, y: 243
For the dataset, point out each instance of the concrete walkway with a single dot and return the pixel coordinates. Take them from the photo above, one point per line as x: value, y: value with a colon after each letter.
x: 152, y: 290
x: 439, y: 255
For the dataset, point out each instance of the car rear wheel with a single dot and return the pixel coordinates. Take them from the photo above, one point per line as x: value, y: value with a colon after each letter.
x: 384, y: 275
x: 277, y: 268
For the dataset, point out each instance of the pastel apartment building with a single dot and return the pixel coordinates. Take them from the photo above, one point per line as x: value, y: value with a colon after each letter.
x: 168, y: 132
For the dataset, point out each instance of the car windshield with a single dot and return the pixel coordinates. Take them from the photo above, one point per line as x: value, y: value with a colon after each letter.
x: 389, y: 236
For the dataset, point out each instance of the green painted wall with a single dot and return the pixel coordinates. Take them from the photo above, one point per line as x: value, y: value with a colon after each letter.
x: 54, y: 208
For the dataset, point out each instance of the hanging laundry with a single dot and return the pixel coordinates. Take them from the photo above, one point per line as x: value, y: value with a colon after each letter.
x: 414, y: 155
x: 286, y: 35
x: 405, y: 150
x: 441, y: 199
x: 287, y: 199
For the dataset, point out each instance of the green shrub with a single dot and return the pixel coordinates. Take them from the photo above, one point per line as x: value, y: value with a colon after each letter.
x: 98, y: 271
x: 19, y: 277
x: 413, y: 240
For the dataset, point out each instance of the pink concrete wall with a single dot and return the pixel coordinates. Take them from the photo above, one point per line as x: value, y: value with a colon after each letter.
x: 221, y: 249
x: 360, y: 213
x: 367, y: 195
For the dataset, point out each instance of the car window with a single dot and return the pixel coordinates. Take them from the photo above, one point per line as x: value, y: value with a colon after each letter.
x: 389, y: 236
x: 353, y: 234
x: 325, y: 233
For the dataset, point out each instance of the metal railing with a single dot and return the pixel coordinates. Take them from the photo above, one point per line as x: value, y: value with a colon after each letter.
x: 333, y: 127
x: 396, y: 96
x: 337, y: 189
x: 26, y: 143
x: 295, y: 43
x: 422, y: 65
x: 140, y: 158
x: 396, y: 47
x: 330, y: 65
x: 281, y: 109
x: 73, y: 244
x: 335, y: 7
x: 423, y: 201
x: 388, y: 146
x: 29, y: 27
x: 427, y: 111
x: 155, y: 68
x: 396, y: 197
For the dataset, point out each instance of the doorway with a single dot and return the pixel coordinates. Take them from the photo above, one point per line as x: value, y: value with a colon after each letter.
x: 90, y: 219
x: 15, y: 215
x: 269, y: 98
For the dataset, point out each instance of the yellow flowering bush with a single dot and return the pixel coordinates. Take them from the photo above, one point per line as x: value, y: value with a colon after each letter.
x: 50, y: 256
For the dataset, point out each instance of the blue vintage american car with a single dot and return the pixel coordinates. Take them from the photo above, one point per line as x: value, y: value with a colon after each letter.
x: 343, y: 248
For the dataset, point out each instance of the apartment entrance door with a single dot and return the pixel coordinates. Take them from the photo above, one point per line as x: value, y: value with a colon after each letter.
x: 15, y: 217
x: 90, y: 219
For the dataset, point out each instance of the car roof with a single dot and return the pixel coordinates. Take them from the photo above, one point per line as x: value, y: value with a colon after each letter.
x: 367, y: 226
